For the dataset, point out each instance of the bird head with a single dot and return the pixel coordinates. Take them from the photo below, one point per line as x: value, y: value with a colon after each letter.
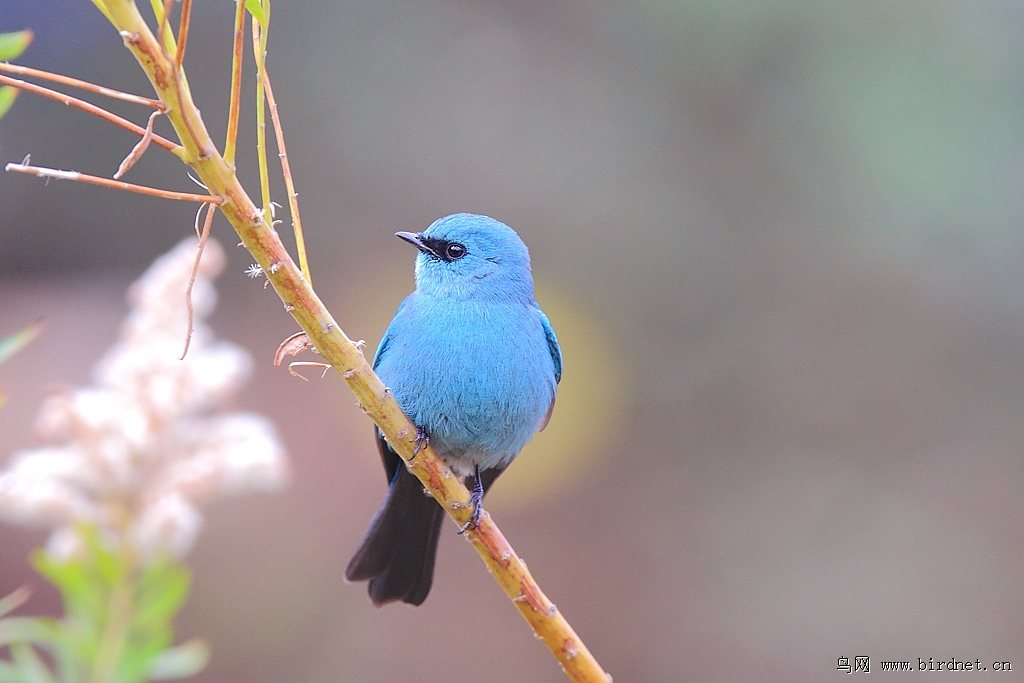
x: 466, y: 255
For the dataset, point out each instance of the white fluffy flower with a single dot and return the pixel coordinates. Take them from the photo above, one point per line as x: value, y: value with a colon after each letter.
x: 32, y: 496
x: 141, y: 450
x: 168, y: 523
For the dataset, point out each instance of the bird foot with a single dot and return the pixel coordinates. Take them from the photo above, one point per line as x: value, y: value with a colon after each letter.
x: 476, y: 497
x: 422, y: 441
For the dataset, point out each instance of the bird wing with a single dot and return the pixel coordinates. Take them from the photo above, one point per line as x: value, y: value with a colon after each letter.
x: 553, y: 348
x: 556, y: 360
x: 386, y: 339
x: 388, y: 456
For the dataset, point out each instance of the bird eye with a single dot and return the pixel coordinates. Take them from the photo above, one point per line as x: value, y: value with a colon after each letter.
x: 455, y: 251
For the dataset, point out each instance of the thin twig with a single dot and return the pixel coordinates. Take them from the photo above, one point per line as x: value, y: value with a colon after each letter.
x: 236, y: 83
x: 42, y: 172
x: 166, y: 41
x: 165, y: 38
x: 210, y: 210
x: 186, y: 15
x: 293, y: 196
x: 261, y: 114
x: 307, y: 364
x: 86, y: 106
x: 139, y: 149
x: 84, y: 85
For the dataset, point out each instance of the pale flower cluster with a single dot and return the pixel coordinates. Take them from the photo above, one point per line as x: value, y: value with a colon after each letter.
x: 142, y: 449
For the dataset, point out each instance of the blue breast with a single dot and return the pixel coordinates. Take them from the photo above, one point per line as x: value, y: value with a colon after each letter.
x: 478, y: 377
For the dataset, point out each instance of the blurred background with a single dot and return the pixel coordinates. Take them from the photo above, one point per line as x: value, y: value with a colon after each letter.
x: 781, y: 243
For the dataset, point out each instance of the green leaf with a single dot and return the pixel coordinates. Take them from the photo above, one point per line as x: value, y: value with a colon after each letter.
x: 108, y: 564
x: 13, y: 44
x: 162, y: 592
x: 71, y: 579
x: 11, y: 344
x: 138, y: 658
x: 180, y: 662
x: 84, y: 595
x: 29, y: 666
x: 255, y: 8
x: 28, y: 630
x: 7, y: 97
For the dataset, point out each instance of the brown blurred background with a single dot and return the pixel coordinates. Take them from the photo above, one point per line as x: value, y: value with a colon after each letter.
x: 781, y: 243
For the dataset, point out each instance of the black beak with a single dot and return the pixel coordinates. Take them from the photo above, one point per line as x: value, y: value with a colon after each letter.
x: 416, y: 240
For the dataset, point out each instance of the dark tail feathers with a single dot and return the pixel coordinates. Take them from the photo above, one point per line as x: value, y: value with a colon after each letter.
x: 397, y: 553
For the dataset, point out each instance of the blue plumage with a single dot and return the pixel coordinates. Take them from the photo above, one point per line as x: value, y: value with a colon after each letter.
x: 473, y: 361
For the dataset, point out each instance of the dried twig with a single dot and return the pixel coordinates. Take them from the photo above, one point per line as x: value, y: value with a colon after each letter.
x: 293, y: 196
x: 186, y: 15
x: 42, y: 172
x: 83, y: 85
x: 192, y: 278
x: 293, y: 346
x: 166, y: 41
x: 236, y: 83
x: 308, y: 364
x: 91, y: 108
x: 139, y: 149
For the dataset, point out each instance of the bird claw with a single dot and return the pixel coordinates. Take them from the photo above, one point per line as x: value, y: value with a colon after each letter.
x: 422, y: 441
x: 476, y: 498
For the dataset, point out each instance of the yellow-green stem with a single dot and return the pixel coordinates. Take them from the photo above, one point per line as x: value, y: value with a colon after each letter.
x: 258, y: 45
x: 289, y: 182
x: 116, y: 630
x: 236, y: 84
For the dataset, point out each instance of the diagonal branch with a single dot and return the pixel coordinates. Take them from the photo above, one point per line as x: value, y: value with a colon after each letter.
x: 91, y: 108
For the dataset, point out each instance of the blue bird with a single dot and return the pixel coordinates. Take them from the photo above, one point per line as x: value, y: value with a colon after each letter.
x: 472, y: 360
